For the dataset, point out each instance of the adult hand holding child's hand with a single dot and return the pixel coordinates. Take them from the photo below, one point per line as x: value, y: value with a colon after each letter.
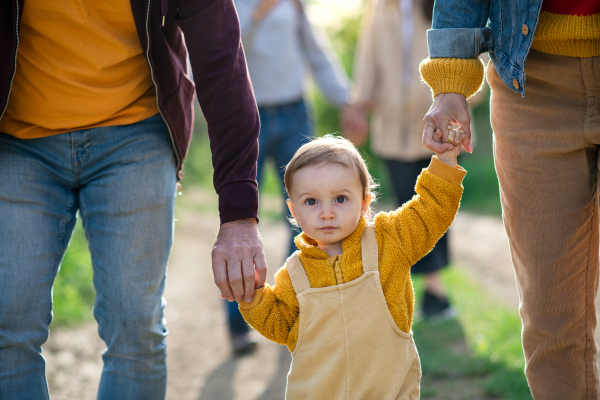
x: 263, y: 8
x: 446, y: 109
x: 238, y: 260
x: 455, y: 138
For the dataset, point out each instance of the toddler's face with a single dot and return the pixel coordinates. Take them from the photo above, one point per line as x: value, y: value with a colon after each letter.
x: 327, y: 201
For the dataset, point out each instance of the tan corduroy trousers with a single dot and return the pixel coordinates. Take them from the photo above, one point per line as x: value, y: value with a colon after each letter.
x: 546, y: 154
x: 349, y: 346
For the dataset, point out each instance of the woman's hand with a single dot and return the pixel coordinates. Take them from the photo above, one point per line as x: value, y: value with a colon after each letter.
x: 446, y: 109
x: 355, y: 124
x: 263, y: 8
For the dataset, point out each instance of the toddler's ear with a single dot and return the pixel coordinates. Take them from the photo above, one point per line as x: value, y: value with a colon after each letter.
x: 364, y: 207
x: 292, y: 209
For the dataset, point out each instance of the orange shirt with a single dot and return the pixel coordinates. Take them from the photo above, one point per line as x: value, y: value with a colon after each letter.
x: 79, y: 65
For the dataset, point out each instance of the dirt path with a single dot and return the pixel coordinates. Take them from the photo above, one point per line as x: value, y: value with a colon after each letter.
x: 200, y: 366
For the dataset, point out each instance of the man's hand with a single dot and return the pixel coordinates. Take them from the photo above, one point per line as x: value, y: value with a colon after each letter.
x: 355, y: 124
x: 446, y: 109
x: 238, y: 260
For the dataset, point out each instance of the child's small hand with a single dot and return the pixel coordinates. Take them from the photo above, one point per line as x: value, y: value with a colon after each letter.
x: 455, y: 137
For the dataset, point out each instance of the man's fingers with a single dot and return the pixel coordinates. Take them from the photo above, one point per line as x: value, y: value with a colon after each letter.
x: 236, y: 280
x: 260, y: 265
x: 219, y: 267
x: 249, y: 278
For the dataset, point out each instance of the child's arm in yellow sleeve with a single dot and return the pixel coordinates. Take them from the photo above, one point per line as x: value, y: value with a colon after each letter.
x: 274, y: 310
x: 419, y: 223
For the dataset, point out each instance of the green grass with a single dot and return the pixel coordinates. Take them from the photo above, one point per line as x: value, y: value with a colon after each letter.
x: 481, y: 347
x: 73, y: 292
x: 481, y: 193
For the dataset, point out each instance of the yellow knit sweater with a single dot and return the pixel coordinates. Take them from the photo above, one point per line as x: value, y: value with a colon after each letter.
x: 403, y: 237
x: 564, y: 35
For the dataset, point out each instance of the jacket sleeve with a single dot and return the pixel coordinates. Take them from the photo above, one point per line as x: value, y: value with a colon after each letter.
x: 325, y: 65
x: 458, y: 35
x: 212, y: 33
x: 274, y: 310
x: 419, y: 223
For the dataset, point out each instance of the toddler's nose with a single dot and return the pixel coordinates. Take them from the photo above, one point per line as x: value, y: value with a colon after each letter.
x: 327, y: 214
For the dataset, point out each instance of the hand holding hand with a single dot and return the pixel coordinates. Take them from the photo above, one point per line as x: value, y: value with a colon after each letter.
x: 455, y: 137
x: 355, y: 124
x: 238, y: 260
x: 263, y: 8
x: 446, y: 109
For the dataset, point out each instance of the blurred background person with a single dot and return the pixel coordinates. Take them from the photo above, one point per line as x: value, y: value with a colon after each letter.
x: 281, y: 46
x: 392, y: 42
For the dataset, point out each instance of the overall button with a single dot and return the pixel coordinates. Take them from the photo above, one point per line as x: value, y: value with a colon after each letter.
x: 515, y: 84
x: 525, y: 29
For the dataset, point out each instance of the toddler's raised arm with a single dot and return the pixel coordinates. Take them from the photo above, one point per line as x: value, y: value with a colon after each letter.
x: 419, y: 223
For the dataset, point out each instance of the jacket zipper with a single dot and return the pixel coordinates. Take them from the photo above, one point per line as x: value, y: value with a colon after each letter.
x: 16, y: 52
x: 338, y: 272
x: 156, y: 87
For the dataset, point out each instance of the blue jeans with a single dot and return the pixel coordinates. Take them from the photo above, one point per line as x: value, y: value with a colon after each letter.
x: 283, y: 129
x: 122, y: 179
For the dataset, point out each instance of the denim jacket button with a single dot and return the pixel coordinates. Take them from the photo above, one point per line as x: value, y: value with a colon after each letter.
x: 515, y: 84
x: 525, y: 29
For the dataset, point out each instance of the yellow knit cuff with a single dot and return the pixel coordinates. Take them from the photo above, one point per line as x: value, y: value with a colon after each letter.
x: 453, y: 175
x: 452, y: 75
x: 258, y: 295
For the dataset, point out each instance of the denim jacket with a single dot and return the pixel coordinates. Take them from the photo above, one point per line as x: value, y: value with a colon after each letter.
x: 503, y: 28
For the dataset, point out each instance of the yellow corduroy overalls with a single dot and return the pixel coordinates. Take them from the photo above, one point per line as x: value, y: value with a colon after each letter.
x: 349, y: 346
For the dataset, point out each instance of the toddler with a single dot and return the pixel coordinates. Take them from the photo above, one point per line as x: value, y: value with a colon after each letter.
x: 343, y: 303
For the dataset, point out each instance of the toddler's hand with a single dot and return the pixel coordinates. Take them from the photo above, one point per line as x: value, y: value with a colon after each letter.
x: 455, y: 137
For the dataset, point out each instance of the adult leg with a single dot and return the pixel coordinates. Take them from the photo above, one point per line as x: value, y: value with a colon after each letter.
x: 127, y: 202
x: 294, y: 129
x: 37, y: 216
x: 546, y: 160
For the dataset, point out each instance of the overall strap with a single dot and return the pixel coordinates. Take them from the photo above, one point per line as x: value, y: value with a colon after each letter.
x: 369, y: 249
x: 297, y: 274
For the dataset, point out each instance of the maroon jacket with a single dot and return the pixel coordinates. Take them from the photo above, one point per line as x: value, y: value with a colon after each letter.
x: 212, y: 37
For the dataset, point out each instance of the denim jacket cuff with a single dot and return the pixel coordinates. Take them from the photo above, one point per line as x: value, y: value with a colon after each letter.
x: 459, y: 42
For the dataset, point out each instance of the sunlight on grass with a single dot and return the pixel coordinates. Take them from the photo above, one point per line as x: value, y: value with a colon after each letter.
x: 73, y: 293
x: 483, y: 343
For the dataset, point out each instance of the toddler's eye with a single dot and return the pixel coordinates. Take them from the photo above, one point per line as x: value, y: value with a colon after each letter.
x: 311, y: 202
x: 340, y: 199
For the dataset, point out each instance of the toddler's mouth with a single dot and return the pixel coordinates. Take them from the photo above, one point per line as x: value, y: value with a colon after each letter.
x: 328, y: 228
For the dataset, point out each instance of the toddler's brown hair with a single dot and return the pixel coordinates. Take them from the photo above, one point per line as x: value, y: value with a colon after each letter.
x: 336, y: 150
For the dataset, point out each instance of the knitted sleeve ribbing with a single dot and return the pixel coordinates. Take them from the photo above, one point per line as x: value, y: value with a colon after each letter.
x: 277, y: 311
x: 452, y: 75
